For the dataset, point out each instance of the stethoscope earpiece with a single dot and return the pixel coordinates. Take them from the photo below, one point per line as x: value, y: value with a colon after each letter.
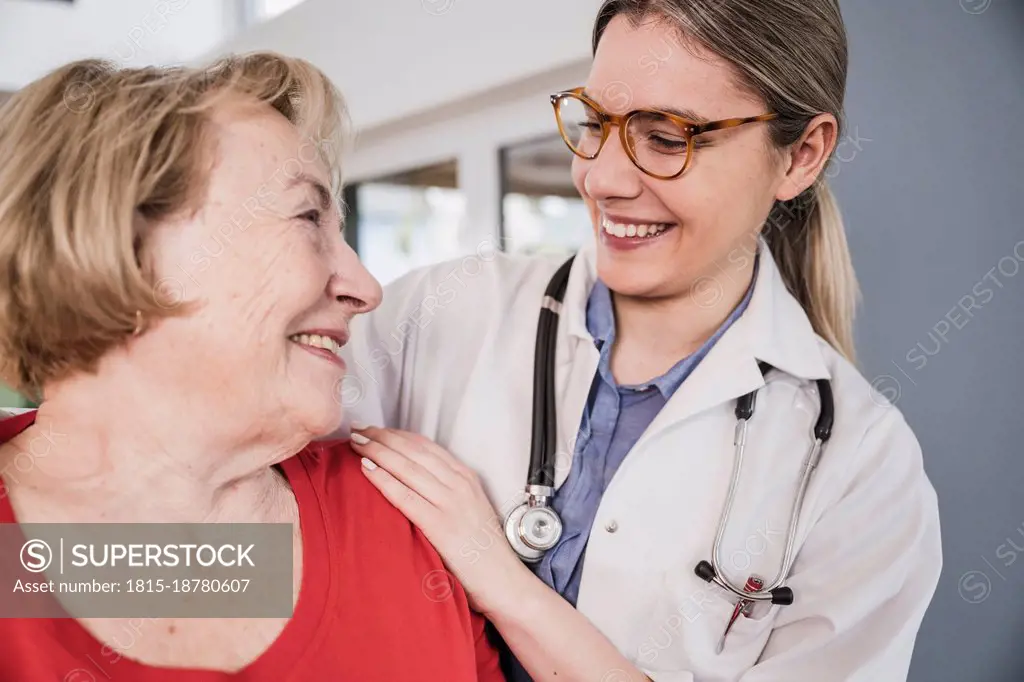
x: 705, y: 571
x: 779, y: 595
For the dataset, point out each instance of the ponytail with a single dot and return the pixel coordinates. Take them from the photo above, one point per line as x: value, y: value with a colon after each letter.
x: 809, y: 245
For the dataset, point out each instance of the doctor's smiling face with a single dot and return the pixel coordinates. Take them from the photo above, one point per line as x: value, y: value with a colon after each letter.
x: 685, y: 227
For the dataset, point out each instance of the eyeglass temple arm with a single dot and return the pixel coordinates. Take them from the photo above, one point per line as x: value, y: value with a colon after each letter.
x: 729, y: 123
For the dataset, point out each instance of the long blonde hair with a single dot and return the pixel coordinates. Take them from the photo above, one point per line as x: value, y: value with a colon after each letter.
x: 793, y: 55
x: 89, y: 156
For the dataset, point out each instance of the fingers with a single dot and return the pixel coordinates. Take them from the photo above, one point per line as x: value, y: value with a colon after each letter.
x: 403, y: 469
x: 406, y: 500
x: 442, y: 454
x: 423, y: 451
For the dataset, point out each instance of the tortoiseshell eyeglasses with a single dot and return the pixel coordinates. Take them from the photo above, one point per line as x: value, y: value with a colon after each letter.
x: 659, y: 143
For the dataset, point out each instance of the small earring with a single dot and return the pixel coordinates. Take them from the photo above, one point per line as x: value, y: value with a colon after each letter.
x: 138, y: 323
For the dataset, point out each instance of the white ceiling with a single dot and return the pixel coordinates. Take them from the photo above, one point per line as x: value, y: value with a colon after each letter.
x: 37, y: 37
x: 393, y: 58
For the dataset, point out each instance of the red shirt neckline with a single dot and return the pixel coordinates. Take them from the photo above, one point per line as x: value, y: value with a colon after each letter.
x: 299, y: 634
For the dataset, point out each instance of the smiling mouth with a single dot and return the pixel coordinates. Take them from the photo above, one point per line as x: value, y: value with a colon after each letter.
x: 320, y: 342
x: 633, y: 231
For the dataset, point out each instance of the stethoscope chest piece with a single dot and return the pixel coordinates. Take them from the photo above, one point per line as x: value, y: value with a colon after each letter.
x: 532, y: 530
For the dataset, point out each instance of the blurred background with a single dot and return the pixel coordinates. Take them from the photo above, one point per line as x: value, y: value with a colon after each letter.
x: 457, y: 149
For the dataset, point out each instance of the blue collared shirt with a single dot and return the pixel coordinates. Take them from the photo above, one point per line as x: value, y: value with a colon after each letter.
x: 615, y: 418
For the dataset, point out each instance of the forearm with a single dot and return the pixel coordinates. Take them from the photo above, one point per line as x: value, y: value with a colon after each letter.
x: 554, y: 641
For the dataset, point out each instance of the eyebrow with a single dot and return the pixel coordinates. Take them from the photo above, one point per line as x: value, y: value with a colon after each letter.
x: 683, y: 113
x: 324, y: 198
x: 322, y: 193
x: 688, y: 114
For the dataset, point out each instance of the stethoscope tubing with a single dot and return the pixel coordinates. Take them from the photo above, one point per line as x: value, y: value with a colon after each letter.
x: 773, y: 591
x: 545, y: 428
x: 541, y: 478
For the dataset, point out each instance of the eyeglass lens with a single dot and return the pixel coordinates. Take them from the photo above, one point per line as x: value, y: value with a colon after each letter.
x: 657, y: 143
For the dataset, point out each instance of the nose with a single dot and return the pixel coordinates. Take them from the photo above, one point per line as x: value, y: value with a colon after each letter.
x: 352, y: 283
x: 612, y: 174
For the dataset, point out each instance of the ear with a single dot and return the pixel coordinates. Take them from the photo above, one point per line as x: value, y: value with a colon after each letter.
x: 806, y: 158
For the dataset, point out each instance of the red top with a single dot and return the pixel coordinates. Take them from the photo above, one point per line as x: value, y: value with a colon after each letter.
x: 370, y: 609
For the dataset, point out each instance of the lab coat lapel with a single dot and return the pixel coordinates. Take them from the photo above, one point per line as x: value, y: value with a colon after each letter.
x: 773, y: 328
x: 728, y: 371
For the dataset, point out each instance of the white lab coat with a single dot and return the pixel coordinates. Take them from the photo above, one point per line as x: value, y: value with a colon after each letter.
x: 449, y: 354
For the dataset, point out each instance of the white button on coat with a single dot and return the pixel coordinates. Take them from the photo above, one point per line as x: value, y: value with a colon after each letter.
x: 449, y: 354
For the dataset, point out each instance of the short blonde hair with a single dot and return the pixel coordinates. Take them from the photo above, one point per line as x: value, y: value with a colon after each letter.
x: 91, y: 152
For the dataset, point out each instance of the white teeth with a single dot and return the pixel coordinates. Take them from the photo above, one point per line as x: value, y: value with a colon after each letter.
x: 633, y: 230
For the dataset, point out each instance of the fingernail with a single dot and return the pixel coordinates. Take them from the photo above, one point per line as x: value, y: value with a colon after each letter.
x: 368, y: 464
x: 360, y: 439
x: 358, y: 426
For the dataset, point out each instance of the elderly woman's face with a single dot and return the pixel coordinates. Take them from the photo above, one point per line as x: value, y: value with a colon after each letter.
x: 276, y: 282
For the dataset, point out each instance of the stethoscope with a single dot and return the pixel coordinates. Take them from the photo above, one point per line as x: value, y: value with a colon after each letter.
x: 533, y: 527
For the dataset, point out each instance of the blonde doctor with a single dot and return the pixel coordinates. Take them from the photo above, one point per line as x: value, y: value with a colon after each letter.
x: 714, y: 308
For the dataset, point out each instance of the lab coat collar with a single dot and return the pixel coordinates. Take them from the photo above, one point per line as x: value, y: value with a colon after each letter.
x: 774, y: 328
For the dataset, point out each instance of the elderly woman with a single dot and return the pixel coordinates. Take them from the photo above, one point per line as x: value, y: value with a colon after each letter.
x: 176, y: 290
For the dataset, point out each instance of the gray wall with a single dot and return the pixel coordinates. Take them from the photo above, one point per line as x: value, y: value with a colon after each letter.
x: 932, y: 189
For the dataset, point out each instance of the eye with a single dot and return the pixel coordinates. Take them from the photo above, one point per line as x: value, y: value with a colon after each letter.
x: 666, y: 144
x: 313, y: 216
